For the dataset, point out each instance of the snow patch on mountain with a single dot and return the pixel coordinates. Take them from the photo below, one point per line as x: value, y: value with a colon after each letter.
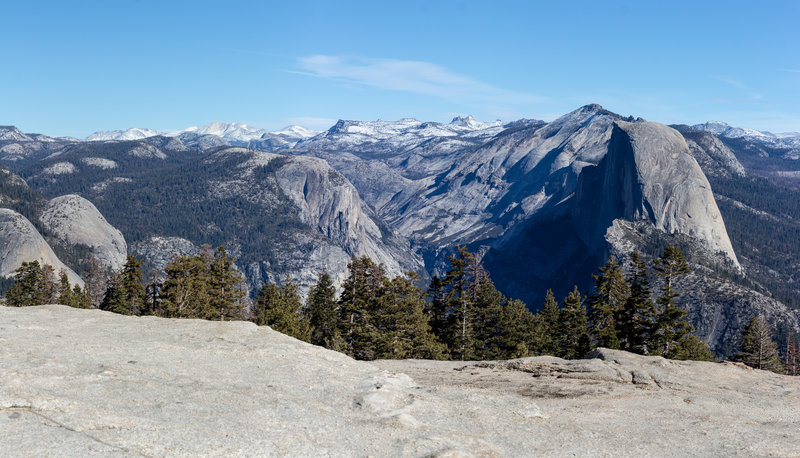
x: 13, y: 134
x: 60, y: 168
x: 783, y: 140
x: 100, y: 162
x: 135, y: 133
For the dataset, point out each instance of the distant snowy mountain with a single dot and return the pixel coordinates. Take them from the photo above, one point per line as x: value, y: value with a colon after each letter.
x: 790, y: 140
x: 135, y: 133
x: 13, y: 134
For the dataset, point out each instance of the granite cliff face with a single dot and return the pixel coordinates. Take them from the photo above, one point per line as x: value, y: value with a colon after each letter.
x: 75, y: 220
x: 21, y: 242
x: 649, y: 174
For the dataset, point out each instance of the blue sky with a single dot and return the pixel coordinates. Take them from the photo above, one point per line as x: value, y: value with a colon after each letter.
x: 72, y: 68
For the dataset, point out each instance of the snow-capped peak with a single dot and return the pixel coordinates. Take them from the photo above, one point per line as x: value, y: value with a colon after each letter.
x: 469, y: 122
x: 135, y: 133
x: 12, y: 133
x: 788, y: 140
x: 296, y: 132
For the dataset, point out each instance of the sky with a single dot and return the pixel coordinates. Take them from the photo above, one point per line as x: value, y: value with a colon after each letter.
x: 73, y: 68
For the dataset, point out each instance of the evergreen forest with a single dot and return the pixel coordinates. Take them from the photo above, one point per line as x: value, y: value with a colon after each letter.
x: 460, y: 316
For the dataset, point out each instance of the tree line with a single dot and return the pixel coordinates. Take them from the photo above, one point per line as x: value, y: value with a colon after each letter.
x: 460, y: 316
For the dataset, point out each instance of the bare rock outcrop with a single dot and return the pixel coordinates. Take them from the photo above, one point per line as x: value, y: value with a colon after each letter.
x: 75, y: 220
x: 87, y: 382
x: 21, y: 242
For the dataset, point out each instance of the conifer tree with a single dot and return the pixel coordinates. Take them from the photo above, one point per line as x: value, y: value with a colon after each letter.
x: 358, y: 307
x: 50, y: 291
x: 95, y: 281
x: 223, y: 285
x: 281, y: 309
x: 152, y: 291
x: 549, y: 323
x: 184, y: 292
x: 402, y: 324
x: 460, y: 336
x: 491, y: 340
x: 69, y: 296
x: 322, y: 312
x: 80, y: 298
x: 759, y: 350
x: 115, y: 299
x: 670, y: 324
x: 606, y: 304
x: 637, y: 317
x: 125, y: 294
x: 692, y: 348
x: 517, y: 332
x: 792, y: 360
x: 29, y: 286
x: 437, y: 308
x: 574, y: 340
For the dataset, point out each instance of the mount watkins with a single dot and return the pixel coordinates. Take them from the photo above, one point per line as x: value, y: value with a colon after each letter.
x: 543, y: 204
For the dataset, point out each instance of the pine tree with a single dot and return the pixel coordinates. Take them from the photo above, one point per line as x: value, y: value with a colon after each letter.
x: 125, y: 294
x: 758, y: 349
x: 402, y: 323
x: 224, y: 291
x: 184, y: 291
x: 692, y: 348
x: 50, y: 291
x: 460, y: 336
x: 281, y: 309
x: 637, y: 317
x: 574, y: 340
x: 152, y: 291
x: 66, y: 296
x: 491, y: 340
x: 437, y: 308
x: 792, y: 361
x: 606, y: 304
x: 517, y: 332
x: 115, y: 299
x: 81, y: 298
x: 29, y: 286
x: 95, y: 281
x: 549, y: 322
x: 358, y: 307
x: 670, y: 325
x: 322, y: 312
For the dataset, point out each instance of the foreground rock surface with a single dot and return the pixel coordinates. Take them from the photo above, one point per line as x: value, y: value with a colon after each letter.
x: 86, y: 382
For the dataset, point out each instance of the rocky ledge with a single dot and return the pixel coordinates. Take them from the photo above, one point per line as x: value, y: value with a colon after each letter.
x: 86, y: 382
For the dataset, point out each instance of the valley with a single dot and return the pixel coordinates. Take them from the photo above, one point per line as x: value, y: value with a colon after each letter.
x: 541, y: 204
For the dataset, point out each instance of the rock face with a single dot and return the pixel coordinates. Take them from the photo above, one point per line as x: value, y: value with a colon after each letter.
x: 86, y: 382
x: 159, y: 251
x: 21, y: 242
x: 649, y: 174
x: 76, y: 220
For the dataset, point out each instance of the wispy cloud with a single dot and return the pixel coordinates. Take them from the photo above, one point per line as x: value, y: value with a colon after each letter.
x: 730, y: 81
x: 739, y: 85
x: 411, y: 76
x: 792, y: 70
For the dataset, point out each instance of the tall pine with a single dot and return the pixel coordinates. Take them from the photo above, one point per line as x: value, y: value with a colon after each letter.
x: 281, y: 309
x: 574, y: 340
x: 606, y: 303
x: 670, y: 324
x: 758, y: 349
x: 322, y: 312
x: 637, y: 317
x: 29, y: 286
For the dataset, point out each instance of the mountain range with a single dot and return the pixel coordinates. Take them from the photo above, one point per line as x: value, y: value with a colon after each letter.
x: 542, y: 203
